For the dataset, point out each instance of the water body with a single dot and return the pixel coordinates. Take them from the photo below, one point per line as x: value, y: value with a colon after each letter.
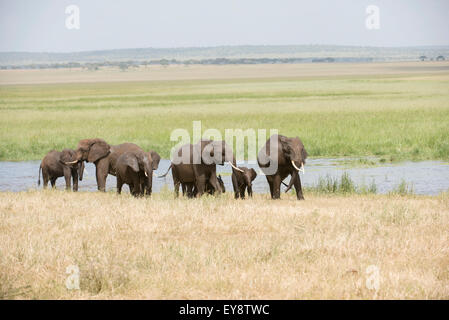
x: 426, y: 177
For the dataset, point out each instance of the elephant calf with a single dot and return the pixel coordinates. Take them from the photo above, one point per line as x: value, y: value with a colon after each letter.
x: 191, y: 191
x: 135, y: 169
x: 54, y: 166
x: 243, y: 180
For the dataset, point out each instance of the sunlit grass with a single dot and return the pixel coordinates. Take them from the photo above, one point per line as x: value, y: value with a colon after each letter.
x: 406, y: 117
x: 221, y: 248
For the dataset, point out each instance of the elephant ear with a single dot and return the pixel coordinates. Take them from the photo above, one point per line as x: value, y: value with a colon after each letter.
x: 156, y: 159
x: 253, y: 174
x: 304, y: 154
x: 99, y: 149
x: 207, y: 151
x: 67, y: 155
x: 286, y: 146
x: 132, y: 162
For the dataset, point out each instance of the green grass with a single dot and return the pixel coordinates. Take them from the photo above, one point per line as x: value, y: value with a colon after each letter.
x: 400, y: 118
x: 343, y: 186
x: 403, y: 189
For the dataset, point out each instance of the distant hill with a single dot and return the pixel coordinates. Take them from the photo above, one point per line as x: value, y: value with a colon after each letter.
x: 224, y: 54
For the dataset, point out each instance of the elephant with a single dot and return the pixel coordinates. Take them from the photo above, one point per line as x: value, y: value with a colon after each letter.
x: 103, y: 155
x: 155, y: 159
x: 135, y: 168
x: 53, y: 166
x: 242, y: 181
x: 196, y: 165
x: 282, y: 156
x: 190, y: 190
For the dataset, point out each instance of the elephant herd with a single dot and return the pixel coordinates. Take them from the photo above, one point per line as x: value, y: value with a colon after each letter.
x: 193, y: 166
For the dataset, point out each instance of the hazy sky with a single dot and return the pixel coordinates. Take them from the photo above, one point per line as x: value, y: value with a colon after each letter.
x: 27, y: 25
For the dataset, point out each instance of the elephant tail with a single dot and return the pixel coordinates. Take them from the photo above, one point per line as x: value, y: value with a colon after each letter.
x: 39, y: 179
x: 168, y: 170
x: 290, y: 185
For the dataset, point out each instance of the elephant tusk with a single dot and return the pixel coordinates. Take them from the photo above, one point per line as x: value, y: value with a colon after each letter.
x: 294, y: 165
x: 235, y: 167
x: 146, y: 174
x: 303, y: 169
x: 71, y: 162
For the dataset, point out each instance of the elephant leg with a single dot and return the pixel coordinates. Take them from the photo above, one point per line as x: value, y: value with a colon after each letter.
x: 250, y: 192
x: 119, y: 184
x: 193, y: 190
x: 149, y: 188
x: 235, y: 186
x: 184, y: 189
x: 242, y: 191
x: 45, y: 178
x: 75, y: 180
x: 67, y: 177
x: 190, y: 190
x: 213, y: 180
x: 298, y: 187
x: 200, y: 183
x: 102, y: 168
x: 276, y: 186
x: 53, y: 182
x: 136, y: 188
x: 270, y: 184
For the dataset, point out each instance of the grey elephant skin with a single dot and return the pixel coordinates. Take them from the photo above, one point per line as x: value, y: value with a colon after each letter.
x: 243, y: 181
x: 288, y: 156
x: 54, y: 165
x: 104, y: 156
x: 197, y: 165
x: 189, y: 189
x: 135, y: 168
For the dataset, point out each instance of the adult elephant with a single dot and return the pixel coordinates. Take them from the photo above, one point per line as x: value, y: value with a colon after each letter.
x: 197, y: 165
x: 282, y: 156
x: 135, y: 169
x: 103, y: 155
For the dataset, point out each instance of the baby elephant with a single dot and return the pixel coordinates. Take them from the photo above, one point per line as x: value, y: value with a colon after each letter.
x: 135, y: 169
x: 191, y: 191
x: 243, y: 180
x: 53, y: 166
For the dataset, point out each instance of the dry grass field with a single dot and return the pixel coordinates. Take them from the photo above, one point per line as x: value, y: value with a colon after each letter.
x: 212, y: 72
x: 326, y: 247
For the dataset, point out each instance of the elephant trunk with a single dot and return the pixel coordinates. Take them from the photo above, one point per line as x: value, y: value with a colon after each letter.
x: 81, y: 170
x: 292, y: 181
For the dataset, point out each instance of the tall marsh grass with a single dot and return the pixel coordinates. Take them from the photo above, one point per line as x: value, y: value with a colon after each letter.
x: 343, y: 185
